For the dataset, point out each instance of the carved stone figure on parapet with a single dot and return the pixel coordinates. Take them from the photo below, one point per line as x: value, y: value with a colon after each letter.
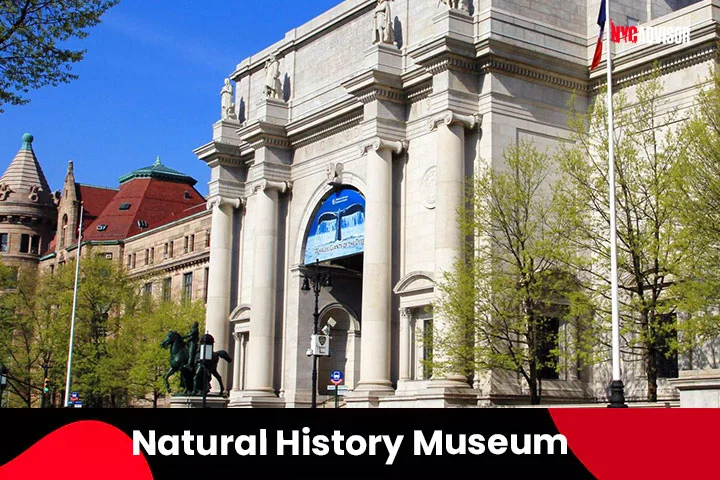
x: 461, y: 5
x: 382, y: 26
x: 228, y: 106
x: 273, y: 86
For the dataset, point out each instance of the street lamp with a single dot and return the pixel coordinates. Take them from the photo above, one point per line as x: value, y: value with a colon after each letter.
x: 3, y: 381
x: 314, y: 280
x: 206, y: 355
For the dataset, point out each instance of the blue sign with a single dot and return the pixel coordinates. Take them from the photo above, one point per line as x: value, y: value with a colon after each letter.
x: 74, y: 396
x: 338, y: 228
x: 336, y: 376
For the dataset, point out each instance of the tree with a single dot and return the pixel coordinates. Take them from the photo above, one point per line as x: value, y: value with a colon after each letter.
x: 654, y: 249
x: 503, y: 305
x: 105, y: 295
x: 33, y: 48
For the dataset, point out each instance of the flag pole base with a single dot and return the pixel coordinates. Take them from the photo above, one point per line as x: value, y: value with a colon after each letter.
x: 617, y: 394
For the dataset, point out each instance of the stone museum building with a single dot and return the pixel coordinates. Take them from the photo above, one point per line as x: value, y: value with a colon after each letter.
x: 347, y: 143
x: 155, y: 222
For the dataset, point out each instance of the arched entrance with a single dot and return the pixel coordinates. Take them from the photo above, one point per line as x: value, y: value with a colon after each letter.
x: 344, y: 345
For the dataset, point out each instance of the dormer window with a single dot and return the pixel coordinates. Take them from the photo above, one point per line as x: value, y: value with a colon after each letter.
x: 142, y: 224
x: 125, y: 206
x: 101, y: 228
x: 187, y: 195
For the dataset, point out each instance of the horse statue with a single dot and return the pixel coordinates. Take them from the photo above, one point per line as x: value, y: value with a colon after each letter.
x: 192, y: 374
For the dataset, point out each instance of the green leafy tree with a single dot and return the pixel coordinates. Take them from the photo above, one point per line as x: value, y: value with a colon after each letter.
x: 654, y: 250
x: 33, y: 42
x: 105, y: 294
x: 502, y: 302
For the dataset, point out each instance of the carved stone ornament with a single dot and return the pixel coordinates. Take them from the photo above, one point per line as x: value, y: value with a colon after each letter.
x: 228, y: 106
x: 429, y: 188
x: 383, y: 23
x: 34, y: 191
x: 334, y: 173
x: 273, y: 86
x: 461, y: 5
x: 5, y: 191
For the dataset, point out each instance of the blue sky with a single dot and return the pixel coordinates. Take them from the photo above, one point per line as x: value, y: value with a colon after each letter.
x: 149, y: 85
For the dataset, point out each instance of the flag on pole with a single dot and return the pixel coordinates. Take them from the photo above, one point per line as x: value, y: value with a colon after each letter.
x: 599, y: 45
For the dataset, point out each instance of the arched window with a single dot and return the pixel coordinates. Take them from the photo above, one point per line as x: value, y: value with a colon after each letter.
x: 63, y: 238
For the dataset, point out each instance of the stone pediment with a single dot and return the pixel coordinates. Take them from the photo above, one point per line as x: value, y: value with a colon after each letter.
x: 414, y: 283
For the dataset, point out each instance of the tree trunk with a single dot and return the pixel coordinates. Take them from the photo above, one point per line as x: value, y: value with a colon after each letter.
x: 651, y: 367
x: 533, y: 384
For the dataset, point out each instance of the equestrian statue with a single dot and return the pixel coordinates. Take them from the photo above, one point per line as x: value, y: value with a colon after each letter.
x: 194, y: 375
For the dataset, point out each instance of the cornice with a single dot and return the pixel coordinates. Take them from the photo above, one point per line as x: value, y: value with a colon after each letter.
x: 219, y: 153
x: 259, y: 134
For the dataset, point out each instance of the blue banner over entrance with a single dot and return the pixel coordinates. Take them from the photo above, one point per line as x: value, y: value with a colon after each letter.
x: 338, y: 228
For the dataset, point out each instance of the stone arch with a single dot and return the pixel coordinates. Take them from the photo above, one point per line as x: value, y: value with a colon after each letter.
x: 320, y: 193
x: 344, y: 345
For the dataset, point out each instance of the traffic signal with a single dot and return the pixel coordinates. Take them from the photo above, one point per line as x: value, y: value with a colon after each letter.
x: 46, y: 385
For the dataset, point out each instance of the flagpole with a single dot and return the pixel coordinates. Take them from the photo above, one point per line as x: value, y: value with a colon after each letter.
x: 617, y: 394
x: 74, y: 308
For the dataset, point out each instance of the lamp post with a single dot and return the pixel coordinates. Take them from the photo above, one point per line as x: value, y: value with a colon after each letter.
x: 206, y: 355
x: 3, y: 381
x: 315, y: 280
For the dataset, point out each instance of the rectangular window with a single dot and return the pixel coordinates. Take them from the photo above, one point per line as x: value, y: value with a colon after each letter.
x: 165, y: 251
x: 207, y: 280
x: 133, y: 261
x: 187, y: 286
x: 147, y: 289
x: 167, y: 289
x: 207, y: 238
x: 24, y: 243
x: 129, y: 261
x: 35, y: 244
x: 185, y: 245
x: 147, y: 256
x: 547, y: 359
x: 666, y: 360
x: 170, y: 252
x: 427, y: 349
x: 3, y: 242
x: 152, y: 255
x: 191, y: 245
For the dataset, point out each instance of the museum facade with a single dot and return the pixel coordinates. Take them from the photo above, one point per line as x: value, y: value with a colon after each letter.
x: 346, y: 146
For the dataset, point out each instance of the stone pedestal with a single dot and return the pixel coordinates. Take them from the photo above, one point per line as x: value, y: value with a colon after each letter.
x: 455, y: 24
x: 698, y: 389
x: 225, y: 131
x: 384, y: 58
x: 254, y: 400
x: 272, y: 110
x: 212, y: 401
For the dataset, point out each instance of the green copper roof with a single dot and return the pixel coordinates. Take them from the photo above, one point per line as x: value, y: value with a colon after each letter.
x: 159, y: 171
x: 27, y: 142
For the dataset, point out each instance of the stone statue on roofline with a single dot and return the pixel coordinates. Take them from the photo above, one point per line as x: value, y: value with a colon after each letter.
x: 383, y: 21
x: 227, y: 104
x: 273, y: 86
x: 461, y: 5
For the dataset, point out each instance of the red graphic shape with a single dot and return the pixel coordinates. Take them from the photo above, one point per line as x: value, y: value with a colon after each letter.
x: 79, y: 451
x: 639, y: 443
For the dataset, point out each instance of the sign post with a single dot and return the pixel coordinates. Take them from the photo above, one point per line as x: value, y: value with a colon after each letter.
x: 336, y: 377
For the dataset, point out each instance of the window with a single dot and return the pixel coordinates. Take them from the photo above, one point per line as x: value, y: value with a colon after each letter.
x: 548, y: 330
x: 191, y: 245
x: 165, y: 251
x: 207, y: 279
x: 101, y: 228
x: 129, y: 261
x: 170, y: 253
x: 167, y: 289
x: 64, y: 231
x: 125, y: 206
x: 185, y: 245
x: 3, y: 242
x: 142, y: 224
x: 152, y: 254
x: 147, y: 256
x: 187, y: 286
x: 147, y: 289
x: 133, y: 261
x: 24, y: 243
x: 35, y: 244
x: 427, y: 353
x: 666, y: 361
x: 207, y: 238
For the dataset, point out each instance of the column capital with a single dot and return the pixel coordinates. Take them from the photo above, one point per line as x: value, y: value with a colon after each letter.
x: 405, y: 313
x: 264, y: 185
x: 449, y: 118
x: 220, y: 201
x: 377, y: 143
